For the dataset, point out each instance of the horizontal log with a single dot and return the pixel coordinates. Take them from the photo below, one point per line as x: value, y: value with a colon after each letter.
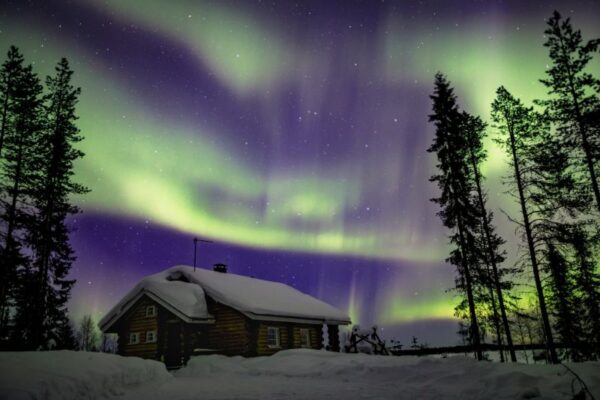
x: 141, y: 328
x: 140, y: 347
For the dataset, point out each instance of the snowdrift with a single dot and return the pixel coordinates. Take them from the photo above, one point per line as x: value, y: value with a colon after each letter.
x: 287, y: 375
x: 318, y: 374
x: 65, y: 375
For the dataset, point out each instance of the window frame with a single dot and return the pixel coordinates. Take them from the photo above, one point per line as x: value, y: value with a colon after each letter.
x: 135, y: 335
x: 153, y: 313
x: 305, y: 334
x: 154, y: 338
x: 277, y: 344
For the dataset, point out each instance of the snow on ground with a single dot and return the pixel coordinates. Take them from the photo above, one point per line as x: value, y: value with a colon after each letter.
x: 66, y: 375
x: 290, y: 374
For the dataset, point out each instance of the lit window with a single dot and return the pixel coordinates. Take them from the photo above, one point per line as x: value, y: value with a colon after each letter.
x: 150, y: 311
x: 134, y: 338
x: 272, y: 337
x: 151, y: 337
x: 304, y: 338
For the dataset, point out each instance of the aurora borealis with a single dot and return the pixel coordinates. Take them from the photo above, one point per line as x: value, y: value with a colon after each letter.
x: 291, y: 134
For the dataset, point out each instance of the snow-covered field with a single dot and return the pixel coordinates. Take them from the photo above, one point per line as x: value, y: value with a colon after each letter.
x: 74, y: 375
x: 292, y: 374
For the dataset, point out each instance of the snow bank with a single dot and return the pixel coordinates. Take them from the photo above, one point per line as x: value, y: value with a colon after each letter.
x: 318, y: 374
x: 287, y: 375
x: 65, y: 375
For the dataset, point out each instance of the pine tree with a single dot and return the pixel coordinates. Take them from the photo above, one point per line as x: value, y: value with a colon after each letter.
x: 49, y: 236
x: 17, y: 181
x: 558, y: 201
x: 519, y: 126
x: 561, y: 299
x: 588, y: 281
x: 455, y: 183
x: 474, y: 131
x: 87, y: 334
x: 10, y: 73
x: 574, y: 97
x: 66, y: 339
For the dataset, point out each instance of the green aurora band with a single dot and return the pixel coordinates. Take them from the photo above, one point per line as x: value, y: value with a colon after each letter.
x: 165, y: 170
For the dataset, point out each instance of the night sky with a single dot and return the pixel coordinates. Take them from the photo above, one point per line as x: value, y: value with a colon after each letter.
x: 291, y: 134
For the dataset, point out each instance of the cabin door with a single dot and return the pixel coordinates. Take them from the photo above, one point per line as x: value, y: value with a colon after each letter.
x: 173, y: 354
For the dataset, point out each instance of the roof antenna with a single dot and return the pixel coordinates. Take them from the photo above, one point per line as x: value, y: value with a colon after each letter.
x: 196, y: 240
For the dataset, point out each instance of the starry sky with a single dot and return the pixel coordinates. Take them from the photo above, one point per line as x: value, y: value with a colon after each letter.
x: 293, y: 135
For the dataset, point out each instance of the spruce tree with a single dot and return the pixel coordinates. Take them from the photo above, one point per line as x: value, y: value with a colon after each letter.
x: 17, y: 181
x: 10, y: 74
x: 574, y: 100
x: 49, y: 236
x: 520, y: 126
x: 455, y: 183
x: 562, y: 301
x: 474, y: 130
x: 587, y: 280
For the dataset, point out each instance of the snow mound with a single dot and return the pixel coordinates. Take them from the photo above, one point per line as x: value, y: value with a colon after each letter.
x: 65, y: 375
x: 288, y: 375
x: 319, y: 374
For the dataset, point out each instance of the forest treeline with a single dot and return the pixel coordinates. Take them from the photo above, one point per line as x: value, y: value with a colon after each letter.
x: 553, y: 148
x: 37, y: 151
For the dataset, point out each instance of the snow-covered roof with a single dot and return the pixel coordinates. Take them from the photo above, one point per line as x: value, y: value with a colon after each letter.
x: 182, y: 290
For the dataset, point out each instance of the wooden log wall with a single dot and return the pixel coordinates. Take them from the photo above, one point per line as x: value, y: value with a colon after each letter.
x: 135, y: 321
x: 230, y: 334
x: 289, y: 336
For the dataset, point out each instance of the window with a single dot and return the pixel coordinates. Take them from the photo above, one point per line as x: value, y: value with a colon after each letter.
x: 304, y: 338
x: 151, y: 337
x: 150, y: 311
x: 134, y: 338
x: 272, y: 337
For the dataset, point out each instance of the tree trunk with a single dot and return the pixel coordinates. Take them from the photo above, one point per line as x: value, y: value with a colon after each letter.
x: 492, y: 260
x: 465, y: 264
x: 496, y: 320
x: 7, y: 254
x: 46, y: 234
x: 531, y: 247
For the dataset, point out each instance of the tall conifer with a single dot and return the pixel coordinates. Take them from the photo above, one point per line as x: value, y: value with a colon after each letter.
x: 473, y: 129
x: 455, y: 199
x: 19, y: 172
x: 574, y: 99
x: 52, y: 252
x: 519, y: 126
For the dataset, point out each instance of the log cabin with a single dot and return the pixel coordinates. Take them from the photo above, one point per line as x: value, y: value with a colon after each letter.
x: 183, y: 311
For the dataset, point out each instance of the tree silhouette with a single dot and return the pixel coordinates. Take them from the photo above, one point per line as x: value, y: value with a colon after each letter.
x: 36, y: 184
x: 574, y: 103
x: 10, y: 75
x: 474, y: 130
x: 520, y: 126
x: 22, y: 132
x: 53, y: 254
x: 562, y: 300
x: 455, y: 183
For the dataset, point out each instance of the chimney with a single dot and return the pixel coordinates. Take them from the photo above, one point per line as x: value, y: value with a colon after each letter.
x: 219, y: 267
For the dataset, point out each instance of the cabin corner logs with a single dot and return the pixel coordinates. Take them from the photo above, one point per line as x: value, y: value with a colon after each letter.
x: 173, y: 341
